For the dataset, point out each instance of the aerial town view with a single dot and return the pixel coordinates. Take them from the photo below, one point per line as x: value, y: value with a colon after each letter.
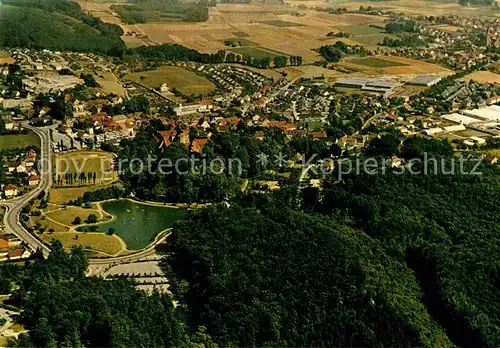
x: 249, y: 173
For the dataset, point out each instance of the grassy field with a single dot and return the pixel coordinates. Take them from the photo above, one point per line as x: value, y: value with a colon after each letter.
x: 375, y: 62
x: 96, y: 241
x: 67, y: 215
x: 65, y: 194
x: 109, y: 83
x: 241, y: 42
x: 255, y: 52
x: 184, y: 80
x: 282, y: 24
x: 365, y: 34
x: 87, y: 161
x: 10, y: 141
x: 49, y: 225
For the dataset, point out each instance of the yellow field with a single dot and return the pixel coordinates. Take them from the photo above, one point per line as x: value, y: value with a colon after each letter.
x: 5, y: 58
x: 259, y: 23
x: 184, y: 80
x: 99, y: 162
x: 482, y: 77
x: 417, y: 7
x: 110, y: 245
x: 410, y: 67
x: 109, y: 83
x: 68, y: 214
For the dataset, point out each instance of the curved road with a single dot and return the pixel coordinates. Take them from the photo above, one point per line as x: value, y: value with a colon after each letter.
x: 14, y: 206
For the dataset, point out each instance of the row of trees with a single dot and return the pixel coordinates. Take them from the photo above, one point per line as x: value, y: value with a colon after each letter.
x: 82, y: 178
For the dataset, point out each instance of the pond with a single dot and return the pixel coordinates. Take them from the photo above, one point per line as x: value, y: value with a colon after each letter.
x: 136, y: 223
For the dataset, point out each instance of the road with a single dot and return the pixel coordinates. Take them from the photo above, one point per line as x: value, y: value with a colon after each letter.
x: 14, y: 206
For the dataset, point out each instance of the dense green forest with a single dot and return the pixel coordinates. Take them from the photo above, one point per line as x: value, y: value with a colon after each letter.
x: 143, y: 11
x: 390, y: 259
x: 63, y: 308
x: 56, y: 25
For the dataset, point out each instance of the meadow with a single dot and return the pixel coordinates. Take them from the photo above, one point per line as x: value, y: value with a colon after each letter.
x: 375, y: 62
x: 10, y: 141
x: 187, y: 82
x: 99, y: 162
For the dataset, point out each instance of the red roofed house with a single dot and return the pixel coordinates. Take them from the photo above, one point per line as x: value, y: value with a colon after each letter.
x: 4, y: 243
x: 206, y: 104
x: 18, y: 254
x: 198, y: 145
x: 167, y: 137
x: 33, y: 180
x: 184, y: 137
x: 10, y: 190
x: 319, y: 135
x: 284, y: 126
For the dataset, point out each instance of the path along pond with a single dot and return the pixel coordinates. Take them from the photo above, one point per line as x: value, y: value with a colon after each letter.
x: 136, y: 223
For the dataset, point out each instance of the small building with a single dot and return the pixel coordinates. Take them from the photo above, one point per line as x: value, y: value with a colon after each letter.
x: 33, y: 180
x: 17, y: 254
x: 198, y: 145
x: 167, y: 137
x: 10, y: 191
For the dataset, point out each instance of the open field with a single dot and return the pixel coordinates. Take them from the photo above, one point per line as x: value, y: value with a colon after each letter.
x: 66, y: 215
x: 309, y: 71
x: 109, y: 83
x: 110, y: 245
x: 375, y: 62
x: 366, y: 35
x: 282, y: 24
x: 184, y: 80
x: 47, y: 223
x: 99, y: 162
x: 271, y: 26
x: 398, y: 66
x: 11, y: 141
x: 482, y: 77
x: 65, y: 194
x: 5, y: 58
x: 254, y: 52
x: 417, y: 7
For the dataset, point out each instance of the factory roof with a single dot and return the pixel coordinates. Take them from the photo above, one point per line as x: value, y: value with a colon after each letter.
x: 426, y: 80
x: 458, y: 118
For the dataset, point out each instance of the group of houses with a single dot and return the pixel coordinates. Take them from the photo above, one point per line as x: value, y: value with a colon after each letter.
x: 22, y: 168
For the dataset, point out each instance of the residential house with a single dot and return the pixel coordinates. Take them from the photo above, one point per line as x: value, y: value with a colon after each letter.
x: 33, y: 180
x: 10, y: 191
x: 4, y: 243
x: 167, y: 137
x: 184, y: 137
x: 17, y: 254
x: 198, y: 145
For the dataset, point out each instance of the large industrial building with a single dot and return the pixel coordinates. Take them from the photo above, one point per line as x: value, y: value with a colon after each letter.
x: 460, y: 119
x: 490, y: 113
x: 424, y: 80
x: 383, y: 86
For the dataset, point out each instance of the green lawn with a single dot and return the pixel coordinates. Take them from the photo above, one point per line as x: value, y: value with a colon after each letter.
x: 375, y: 62
x: 175, y: 77
x: 255, y: 52
x: 11, y: 141
x: 366, y: 34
